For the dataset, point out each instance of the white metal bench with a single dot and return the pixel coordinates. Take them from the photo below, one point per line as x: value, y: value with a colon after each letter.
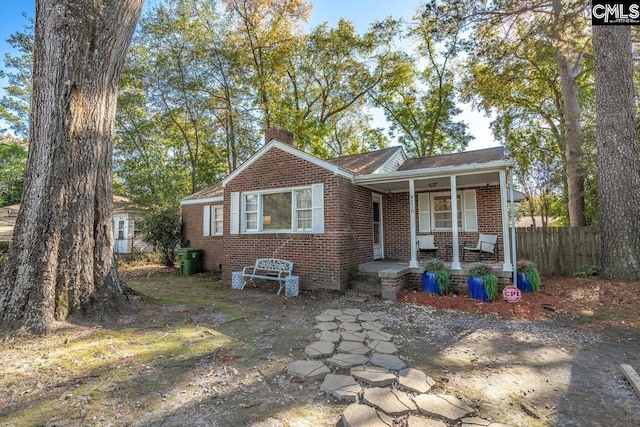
x: 268, y: 269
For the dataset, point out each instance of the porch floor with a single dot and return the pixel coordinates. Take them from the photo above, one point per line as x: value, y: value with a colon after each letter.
x: 397, y: 267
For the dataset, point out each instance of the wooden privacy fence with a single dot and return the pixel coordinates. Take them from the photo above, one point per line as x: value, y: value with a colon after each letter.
x: 559, y: 251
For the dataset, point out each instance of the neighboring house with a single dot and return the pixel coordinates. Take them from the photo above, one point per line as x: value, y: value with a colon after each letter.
x: 330, y: 216
x: 125, y: 233
x: 527, y: 221
x: 8, y: 215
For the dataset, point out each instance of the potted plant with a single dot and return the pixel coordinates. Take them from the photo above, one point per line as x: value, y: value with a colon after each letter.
x: 528, y: 276
x: 483, y: 284
x: 435, y: 278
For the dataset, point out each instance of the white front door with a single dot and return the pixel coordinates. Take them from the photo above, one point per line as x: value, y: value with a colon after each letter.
x: 121, y: 227
x: 378, y: 243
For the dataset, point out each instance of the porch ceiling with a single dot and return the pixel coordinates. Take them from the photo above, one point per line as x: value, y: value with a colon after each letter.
x: 442, y: 183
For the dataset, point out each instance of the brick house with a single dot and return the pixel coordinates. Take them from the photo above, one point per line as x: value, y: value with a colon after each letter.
x: 330, y: 217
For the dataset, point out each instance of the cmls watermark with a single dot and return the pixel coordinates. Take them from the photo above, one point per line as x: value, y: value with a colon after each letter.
x: 615, y: 13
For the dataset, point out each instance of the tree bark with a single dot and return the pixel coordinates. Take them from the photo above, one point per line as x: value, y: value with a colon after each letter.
x: 618, y: 158
x: 569, y: 69
x: 60, y: 260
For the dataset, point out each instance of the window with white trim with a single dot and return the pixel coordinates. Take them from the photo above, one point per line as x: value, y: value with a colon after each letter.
x: 216, y: 220
x: 283, y: 210
x: 435, y: 213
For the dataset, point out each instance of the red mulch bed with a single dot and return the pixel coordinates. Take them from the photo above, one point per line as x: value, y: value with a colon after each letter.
x: 605, y: 301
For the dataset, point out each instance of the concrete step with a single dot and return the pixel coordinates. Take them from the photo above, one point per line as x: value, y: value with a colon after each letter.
x: 367, y: 287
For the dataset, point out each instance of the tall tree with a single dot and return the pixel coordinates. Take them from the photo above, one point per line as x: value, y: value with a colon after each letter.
x: 618, y: 156
x: 60, y: 260
x: 534, y: 58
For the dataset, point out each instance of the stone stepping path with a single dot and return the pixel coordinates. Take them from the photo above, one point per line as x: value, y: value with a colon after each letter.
x: 353, y: 347
x: 319, y: 349
x: 357, y: 415
x: 391, y: 402
x: 343, y: 387
x: 346, y: 360
x: 387, y: 361
x: 376, y: 377
x: 415, y: 380
x: 383, y: 347
x: 308, y: 370
x: 351, y: 340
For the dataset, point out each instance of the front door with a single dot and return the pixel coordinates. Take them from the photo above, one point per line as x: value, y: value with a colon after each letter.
x: 378, y: 244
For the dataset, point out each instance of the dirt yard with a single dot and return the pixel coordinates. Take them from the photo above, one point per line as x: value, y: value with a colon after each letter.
x: 197, y: 353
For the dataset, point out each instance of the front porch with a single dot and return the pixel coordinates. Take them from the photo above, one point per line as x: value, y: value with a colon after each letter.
x: 396, y: 275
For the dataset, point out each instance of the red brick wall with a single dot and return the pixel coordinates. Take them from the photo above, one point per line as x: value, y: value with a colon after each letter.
x: 213, y: 246
x: 397, y: 230
x: 321, y: 260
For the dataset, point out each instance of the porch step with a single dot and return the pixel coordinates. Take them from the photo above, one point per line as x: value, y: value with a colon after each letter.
x: 365, y: 284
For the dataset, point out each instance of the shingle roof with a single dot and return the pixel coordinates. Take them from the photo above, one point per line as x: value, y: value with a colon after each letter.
x: 457, y: 159
x: 365, y: 163
x: 213, y: 191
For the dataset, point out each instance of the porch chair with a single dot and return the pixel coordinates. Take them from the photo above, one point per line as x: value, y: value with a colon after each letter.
x: 487, y: 244
x: 426, y: 244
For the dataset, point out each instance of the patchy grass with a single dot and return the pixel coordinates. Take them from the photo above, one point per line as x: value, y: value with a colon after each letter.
x: 179, y: 349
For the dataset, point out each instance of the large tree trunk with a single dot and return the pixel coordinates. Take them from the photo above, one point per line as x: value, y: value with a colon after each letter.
x: 618, y: 158
x: 60, y: 259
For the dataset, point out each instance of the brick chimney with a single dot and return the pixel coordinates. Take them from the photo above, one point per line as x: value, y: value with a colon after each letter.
x: 280, y: 135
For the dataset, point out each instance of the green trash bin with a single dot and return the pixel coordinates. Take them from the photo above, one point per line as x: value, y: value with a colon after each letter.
x: 190, y: 261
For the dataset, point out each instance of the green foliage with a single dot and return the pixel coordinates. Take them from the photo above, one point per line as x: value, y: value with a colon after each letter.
x: 588, y: 271
x: 13, y: 163
x: 15, y: 105
x: 442, y: 275
x: 489, y: 280
x: 531, y: 273
x: 162, y: 228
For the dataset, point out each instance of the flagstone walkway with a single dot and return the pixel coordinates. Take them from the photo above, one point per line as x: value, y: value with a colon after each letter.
x: 358, y: 362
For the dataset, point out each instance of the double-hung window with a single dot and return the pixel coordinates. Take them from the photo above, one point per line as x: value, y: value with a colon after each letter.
x: 297, y: 210
x: 435, y: 211
x: 212, y: 221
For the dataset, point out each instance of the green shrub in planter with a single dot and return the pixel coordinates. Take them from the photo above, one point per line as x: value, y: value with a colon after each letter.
x: 434, y: 269
x: 483, y: 284
x: 528, y: 276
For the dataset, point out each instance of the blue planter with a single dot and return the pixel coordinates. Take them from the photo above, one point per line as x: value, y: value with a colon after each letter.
x: 430, y: 283
x: 477, y: 290
x: 523, y: 284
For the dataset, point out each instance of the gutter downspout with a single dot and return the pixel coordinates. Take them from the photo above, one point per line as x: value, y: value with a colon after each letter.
x: 412, y: 223
x: 513, y: 230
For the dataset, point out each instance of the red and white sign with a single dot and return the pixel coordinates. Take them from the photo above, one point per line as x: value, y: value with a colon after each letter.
x: 511, y: 294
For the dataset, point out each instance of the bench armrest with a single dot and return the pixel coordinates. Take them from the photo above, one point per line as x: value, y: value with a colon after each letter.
x: 248, y: 270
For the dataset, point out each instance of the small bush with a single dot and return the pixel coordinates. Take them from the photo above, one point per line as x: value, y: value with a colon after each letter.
x: 489, y: 280
x: 163, y: 229
x: 588, y: 271
x: 531, y: 274
x: 442, y: 275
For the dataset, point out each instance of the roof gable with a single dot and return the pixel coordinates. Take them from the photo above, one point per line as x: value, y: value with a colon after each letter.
x: 274, y: 144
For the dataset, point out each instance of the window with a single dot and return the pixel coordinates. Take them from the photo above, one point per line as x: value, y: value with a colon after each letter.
x: 121, y: 224
x: 434, y: 211
x: 216, y: 220
x: 251, y: 212
x: 304, y: 206
x: 442, y: 212
x: 276, y: 211
x: 212, y: 221
x: 290, y: 210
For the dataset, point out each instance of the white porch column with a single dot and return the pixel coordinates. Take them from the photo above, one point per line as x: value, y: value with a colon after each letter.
x: 455, y: 263
x: 505, y: 223
x: 412, y: 224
